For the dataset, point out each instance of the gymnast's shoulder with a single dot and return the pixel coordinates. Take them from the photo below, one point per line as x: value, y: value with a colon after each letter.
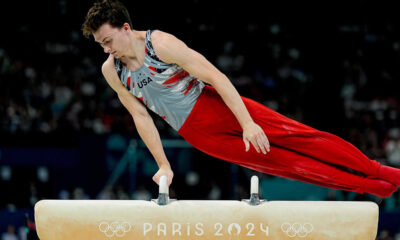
x: 110, y: 73
x: 108, y: 64
x: 162, y: 40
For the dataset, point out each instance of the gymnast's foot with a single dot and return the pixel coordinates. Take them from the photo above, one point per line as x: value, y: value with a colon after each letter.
x: 390, y: 174
x: 379, y: 187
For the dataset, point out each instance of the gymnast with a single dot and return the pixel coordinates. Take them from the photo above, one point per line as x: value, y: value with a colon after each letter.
x: 155, y: 70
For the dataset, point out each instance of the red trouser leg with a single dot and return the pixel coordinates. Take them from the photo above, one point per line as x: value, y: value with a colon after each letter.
x: 320, y: 145
x: 297, y: 151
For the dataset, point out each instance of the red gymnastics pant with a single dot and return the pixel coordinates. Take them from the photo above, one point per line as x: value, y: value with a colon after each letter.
x: 297, y: 151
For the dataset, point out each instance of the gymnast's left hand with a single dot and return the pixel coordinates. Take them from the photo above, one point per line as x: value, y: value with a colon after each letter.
x: 254, y: 134
x: 164, y: 170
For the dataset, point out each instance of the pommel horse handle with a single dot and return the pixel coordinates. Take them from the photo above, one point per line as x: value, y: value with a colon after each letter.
x: 254, y: 185
x: 163, y: 192
x: 254, y: 195
x: 163, y: 187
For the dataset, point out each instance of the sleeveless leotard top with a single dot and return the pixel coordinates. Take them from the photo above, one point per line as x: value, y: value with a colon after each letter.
x: 166, y: 89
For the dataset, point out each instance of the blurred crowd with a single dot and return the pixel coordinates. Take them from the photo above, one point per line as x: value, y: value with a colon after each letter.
x: 343, y: 79
x: 63, y: 91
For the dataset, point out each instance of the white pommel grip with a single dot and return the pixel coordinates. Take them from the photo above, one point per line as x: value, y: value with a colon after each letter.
x: 163, y: 184
x: 254, y: 185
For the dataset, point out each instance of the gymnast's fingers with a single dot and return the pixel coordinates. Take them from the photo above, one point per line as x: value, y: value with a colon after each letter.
x: 170, y: 177
x: 266, y: 142
x: 156, y: 179
x: 255, y: 144
x: 261, y: 144
x: 246, y: 144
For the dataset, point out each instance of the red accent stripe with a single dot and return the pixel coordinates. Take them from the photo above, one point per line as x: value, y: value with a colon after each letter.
x: 128, y: 82
x: 179, y: 76
x: 190, y: 86
x: 152, y: 68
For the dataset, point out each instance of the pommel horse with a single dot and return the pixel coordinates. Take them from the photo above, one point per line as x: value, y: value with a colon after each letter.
x: 165, y: 218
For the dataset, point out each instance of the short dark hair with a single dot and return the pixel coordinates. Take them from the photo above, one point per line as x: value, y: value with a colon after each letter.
x: 105, y: 11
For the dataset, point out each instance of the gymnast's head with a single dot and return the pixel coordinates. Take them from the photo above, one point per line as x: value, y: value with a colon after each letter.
x: 110, y: 24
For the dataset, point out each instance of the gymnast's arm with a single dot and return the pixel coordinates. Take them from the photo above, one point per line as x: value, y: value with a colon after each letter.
x: 172, y: 50
x: 143, y: 121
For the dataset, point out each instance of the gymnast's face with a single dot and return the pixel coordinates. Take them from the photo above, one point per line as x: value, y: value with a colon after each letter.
x: 114, y: 40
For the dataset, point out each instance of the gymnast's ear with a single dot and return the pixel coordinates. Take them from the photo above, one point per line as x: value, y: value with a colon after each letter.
x: 126, y: 27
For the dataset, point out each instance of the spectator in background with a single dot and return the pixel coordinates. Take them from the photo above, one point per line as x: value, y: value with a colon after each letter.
x: 141, y: 194
x: 33, y: 194
x: 397, y: 236
x: 385, y: 235
x: 215, y: 192
x: 107, y: 193
x: 79, y: 194
x: 30, y: 230
x: 392, y: 147
x: 64, y: 194
x: 10, y: 234
x: 120, y: 193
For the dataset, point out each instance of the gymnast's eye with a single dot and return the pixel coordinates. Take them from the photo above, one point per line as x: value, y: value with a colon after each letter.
x: 106, y: 43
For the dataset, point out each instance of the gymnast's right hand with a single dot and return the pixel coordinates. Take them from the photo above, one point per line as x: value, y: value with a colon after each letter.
x: 164, y: 170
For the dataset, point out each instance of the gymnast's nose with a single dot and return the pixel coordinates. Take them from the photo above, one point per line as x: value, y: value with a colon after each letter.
x: 107, y: 49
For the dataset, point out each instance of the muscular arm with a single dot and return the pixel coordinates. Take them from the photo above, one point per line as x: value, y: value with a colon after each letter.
x: 172, y: 50
x: 143, y: 121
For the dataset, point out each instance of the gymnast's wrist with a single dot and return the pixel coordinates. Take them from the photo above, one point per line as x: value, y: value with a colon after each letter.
x: 164, y: 165
x: 247, y: 124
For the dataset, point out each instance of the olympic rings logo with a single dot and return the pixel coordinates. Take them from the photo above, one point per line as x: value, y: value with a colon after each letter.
x: 118, y: 229
x: 297, y: 229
